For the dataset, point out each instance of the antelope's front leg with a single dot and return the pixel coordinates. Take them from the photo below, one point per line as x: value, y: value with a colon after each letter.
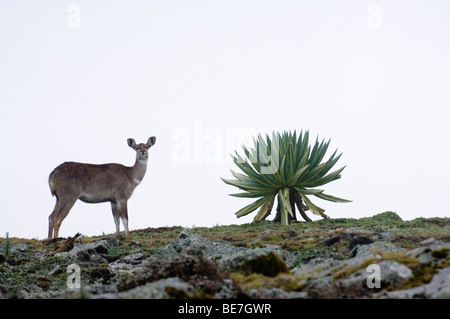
x: 124, y: 217
x: 116, y: 214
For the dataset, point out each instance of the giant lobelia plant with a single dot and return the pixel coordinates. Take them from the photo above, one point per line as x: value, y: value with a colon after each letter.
x: 285, y: 167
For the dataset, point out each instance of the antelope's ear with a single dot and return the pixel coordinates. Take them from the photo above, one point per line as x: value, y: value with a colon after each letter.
x: 131, y: 143
x: 151, y: 141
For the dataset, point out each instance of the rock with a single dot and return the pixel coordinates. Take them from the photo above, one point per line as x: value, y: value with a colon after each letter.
x: 359, y: 241
x: 132, y: 259
x: 129, y: 277
x: 352, y: 230
x: 186, y: 266
x: 288, y: 257
x: 56, y: 271
x: 192, y: 266
x: 393, y: 272
x: 32, y: 292
x: 20, y: 247
x: 311, y: 230
x: 443, y: 294
x: 126, y: 262
x: 185, y: 233
x: 355, y: 283
x: 328, y: 278
x: 430, y: 254
x: 321, y: 288
x: 118, y: 266
x: 275, y: 293
x: 80, y: 255
x: 227, y: 290
x: 437, y: 288
x: 187, y: 241
x: 40, y: 256
x: 316, y: 265
x: 364, y: 250
x: 167, y: 288
x: 96, y: 247
x: 260, y: 261
x: 5, y: 293
x: 195, y: 243
x: 387, y: 235
x: 66, y: 254
x: 352, y: 238
x: 136, y: 243
x: 428, y: 241
x: 88, y: 252
x: 101, y: 274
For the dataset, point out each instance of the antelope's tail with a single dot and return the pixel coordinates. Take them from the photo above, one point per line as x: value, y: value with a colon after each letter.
x: 50, y: 183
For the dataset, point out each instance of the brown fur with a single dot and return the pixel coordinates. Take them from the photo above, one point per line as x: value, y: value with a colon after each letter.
x: 92, y: 183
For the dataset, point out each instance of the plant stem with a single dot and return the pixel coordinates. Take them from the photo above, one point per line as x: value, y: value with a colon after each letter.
x: 292, y: 196
x: 292, y: 202
x: 277, y: 218
x: 298, y: 201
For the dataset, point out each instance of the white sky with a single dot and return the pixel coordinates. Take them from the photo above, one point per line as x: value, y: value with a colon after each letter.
x: 374, y: 76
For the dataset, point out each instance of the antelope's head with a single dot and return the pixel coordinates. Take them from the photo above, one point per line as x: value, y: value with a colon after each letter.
x: 141, y: 148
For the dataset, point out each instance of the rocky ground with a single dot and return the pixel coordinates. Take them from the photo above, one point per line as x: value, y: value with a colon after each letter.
x: 377, y: 257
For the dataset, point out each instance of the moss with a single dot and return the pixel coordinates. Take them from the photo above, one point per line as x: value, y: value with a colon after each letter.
x: 305, y: 255
x: 422, y: 274
x: 33, y: 272
x: 335, y: 222
x: 268, y: 265
x: 286, y: 282
x: 386, y: 217
x: 21, y: 270
x: 181, y: 294
x: 252, y: 281
x: 398, y: 257
x: 350, y: 270
x: 270, y: 238
x: 116, y: 250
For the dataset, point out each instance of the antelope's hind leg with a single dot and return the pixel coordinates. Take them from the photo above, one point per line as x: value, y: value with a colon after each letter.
x: 61, y: 210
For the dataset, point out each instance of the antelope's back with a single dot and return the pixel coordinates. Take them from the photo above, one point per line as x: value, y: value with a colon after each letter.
x: 86, y: 176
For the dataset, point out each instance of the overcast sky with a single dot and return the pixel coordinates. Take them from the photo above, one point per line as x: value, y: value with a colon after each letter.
x: 79, y: 78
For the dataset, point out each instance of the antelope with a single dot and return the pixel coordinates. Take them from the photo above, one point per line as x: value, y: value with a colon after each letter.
x: 92, y: 183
